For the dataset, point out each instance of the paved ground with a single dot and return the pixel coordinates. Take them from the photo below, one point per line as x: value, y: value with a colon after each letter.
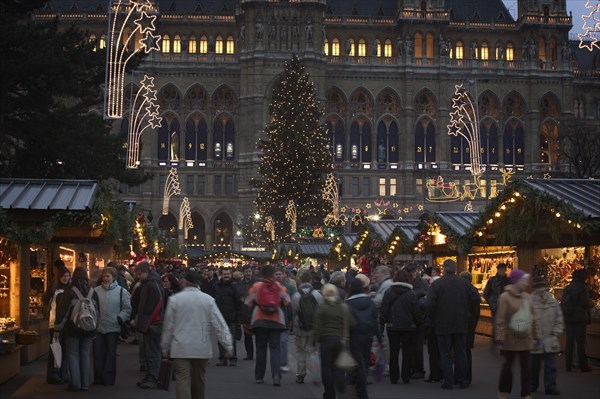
x: 238, y: 383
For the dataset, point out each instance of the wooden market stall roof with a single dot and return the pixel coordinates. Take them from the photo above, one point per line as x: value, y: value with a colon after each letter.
x: 557, y: 210
x: 317, y: 249
x: 385, y: 228
x: 38, y: 194
x: 460, y: 223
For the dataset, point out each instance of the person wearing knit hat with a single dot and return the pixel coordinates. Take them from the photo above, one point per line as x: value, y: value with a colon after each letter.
x: 547, y: 310
x: 515, y: 343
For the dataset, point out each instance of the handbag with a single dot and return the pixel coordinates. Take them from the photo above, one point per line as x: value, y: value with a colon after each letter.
x: 164, y: 374
x: 344, y: 360
x: 521, y: 321
x: 56, y: 352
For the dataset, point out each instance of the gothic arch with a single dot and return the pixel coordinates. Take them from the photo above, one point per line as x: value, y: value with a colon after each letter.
x: 489, y: 104
x: 223, y: 135
x: 222, y: 230
x: 514, y: 104
x: 169, y: 97
x: 169, y: 136
x: 196, y: 137
x: 361, y: 139
x: 549, y: 141
x: 197, y: 234
x: 196, y: 98
x: 549, y: 106
x: 388, y: 102
x: 224, y: 99
x: 337, y: 134
x: 361, y: 102
x: 425, y: 138
x: 168, y: 224
x: 336, y: 101
x: 425, y: 103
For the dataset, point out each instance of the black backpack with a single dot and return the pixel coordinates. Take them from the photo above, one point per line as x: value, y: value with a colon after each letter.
x: 307, y: 307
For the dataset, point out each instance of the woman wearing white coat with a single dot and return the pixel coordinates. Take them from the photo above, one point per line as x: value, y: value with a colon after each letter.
x: 115, y: 309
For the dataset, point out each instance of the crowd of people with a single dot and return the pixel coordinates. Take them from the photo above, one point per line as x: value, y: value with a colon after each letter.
x: 393, y: 313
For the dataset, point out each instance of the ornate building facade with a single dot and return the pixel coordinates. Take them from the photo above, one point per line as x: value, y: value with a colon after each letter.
x: 386, y: 72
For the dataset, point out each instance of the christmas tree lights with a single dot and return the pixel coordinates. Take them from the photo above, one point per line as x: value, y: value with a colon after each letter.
x: 296, y: 156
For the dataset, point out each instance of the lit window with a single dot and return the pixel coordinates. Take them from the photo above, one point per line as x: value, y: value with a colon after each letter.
x: 326, y: 46
x: 102, y: 41
x: 382, y: 190
x: 418, y: 45
x: 458, y: 51
x: 166, y: 44
x: 392, y: 186
x: 362, y: 48
x: 335, y: 47
x: 177, y: 44
x: 378, y: 48
x: 192, y: 45
x: 203, y: 45
x: 92, y: 41
x: 352, y: 49
x: 429, y: 46
x: 510, y: 52
x: 484, y: 51
x: 387, y: 48
x: 542, y: 49
x: 219, y: 45
x: 230, y: 45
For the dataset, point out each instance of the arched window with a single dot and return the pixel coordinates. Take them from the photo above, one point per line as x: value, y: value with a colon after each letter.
x: 168, y: 139
x: 362, y: 48
x: 177, y: 44
x: 387, y: 48
x: 459, y: 51
x: 166, y: 44
x: 360, y: 141
x: 103, y: 41
x: 192, y: 45
x: 336, y: 130
x: 542, y: 49
x: 377, y: 49
x: 222, y: 228
x: 424, y: 141
x: 429, y: 46
x: 195, y: 138
x: 488, y: 141
x: 387, y: 142
x: 381, y: 143
x: 484, y: 51
x: 168, y: 224
x: 514, y: 143
x: 553, y: 50
x: 418, y: 45
x: 335, y: 47
x: 549, y: 144
x: 223, y: 139
x: 460, y: 152
x: 230, y: 45
x: 350, y: 47
x: 326, y: 46
x: 219, y: 45
x: 509, y: 55
x: 203, y: 45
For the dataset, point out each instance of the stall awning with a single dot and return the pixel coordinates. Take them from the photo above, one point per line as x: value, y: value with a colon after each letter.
x: 459, y: 222
x: 385, y: 228
x: 319, y: 249
x: 72, y: 195
x: 348, y: 239
x: 582, y: 194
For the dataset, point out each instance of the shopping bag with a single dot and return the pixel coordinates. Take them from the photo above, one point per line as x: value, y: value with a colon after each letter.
x: 56, y: 352
x: 345, y: 361
x: 164, y: 374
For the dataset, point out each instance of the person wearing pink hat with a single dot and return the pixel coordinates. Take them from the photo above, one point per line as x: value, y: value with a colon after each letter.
x: 511, y: 342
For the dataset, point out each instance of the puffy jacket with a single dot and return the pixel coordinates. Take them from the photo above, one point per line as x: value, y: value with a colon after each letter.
x: 114, y: 301
x: 191, y: 317
x: 549, y: 318
x: 229, y: 300
x: 365, y: 313
x: 400, y: 308
x: 261, y: 319
x: 508, y: 305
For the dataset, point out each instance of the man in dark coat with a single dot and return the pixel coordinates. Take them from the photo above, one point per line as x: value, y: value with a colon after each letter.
x: 207, y: 285
x: 244, y: 285
x: 492, y: 291
x: 576, y: 306
x: 148, y: 308
x: 420, y: 287
x: 229, y: 302
x: 449, y: 301
x: 473, y: 319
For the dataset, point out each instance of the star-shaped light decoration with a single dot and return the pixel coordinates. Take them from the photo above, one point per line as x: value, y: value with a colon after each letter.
x: 144, y: 115
x: 152, y: 109
x: 591, y: 27
x: 547, y: 176
x: 141, y: 5
x: 145, y: 22
x: 420, y: 207
x: 150, y: 42
x: 155, y: 121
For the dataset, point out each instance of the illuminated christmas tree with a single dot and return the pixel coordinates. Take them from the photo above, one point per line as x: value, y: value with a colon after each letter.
x: 296, y: 156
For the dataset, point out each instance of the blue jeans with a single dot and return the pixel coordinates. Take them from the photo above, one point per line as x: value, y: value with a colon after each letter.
x: 446, y: 342
x: 105, y: 358
x: 79, y: 350
x: 549, y: 360
x: 267, y: 338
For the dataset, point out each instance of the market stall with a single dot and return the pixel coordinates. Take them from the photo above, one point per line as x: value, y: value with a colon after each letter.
x: 554, y: 225
x: 42, y: 220
x: 306, y: 253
